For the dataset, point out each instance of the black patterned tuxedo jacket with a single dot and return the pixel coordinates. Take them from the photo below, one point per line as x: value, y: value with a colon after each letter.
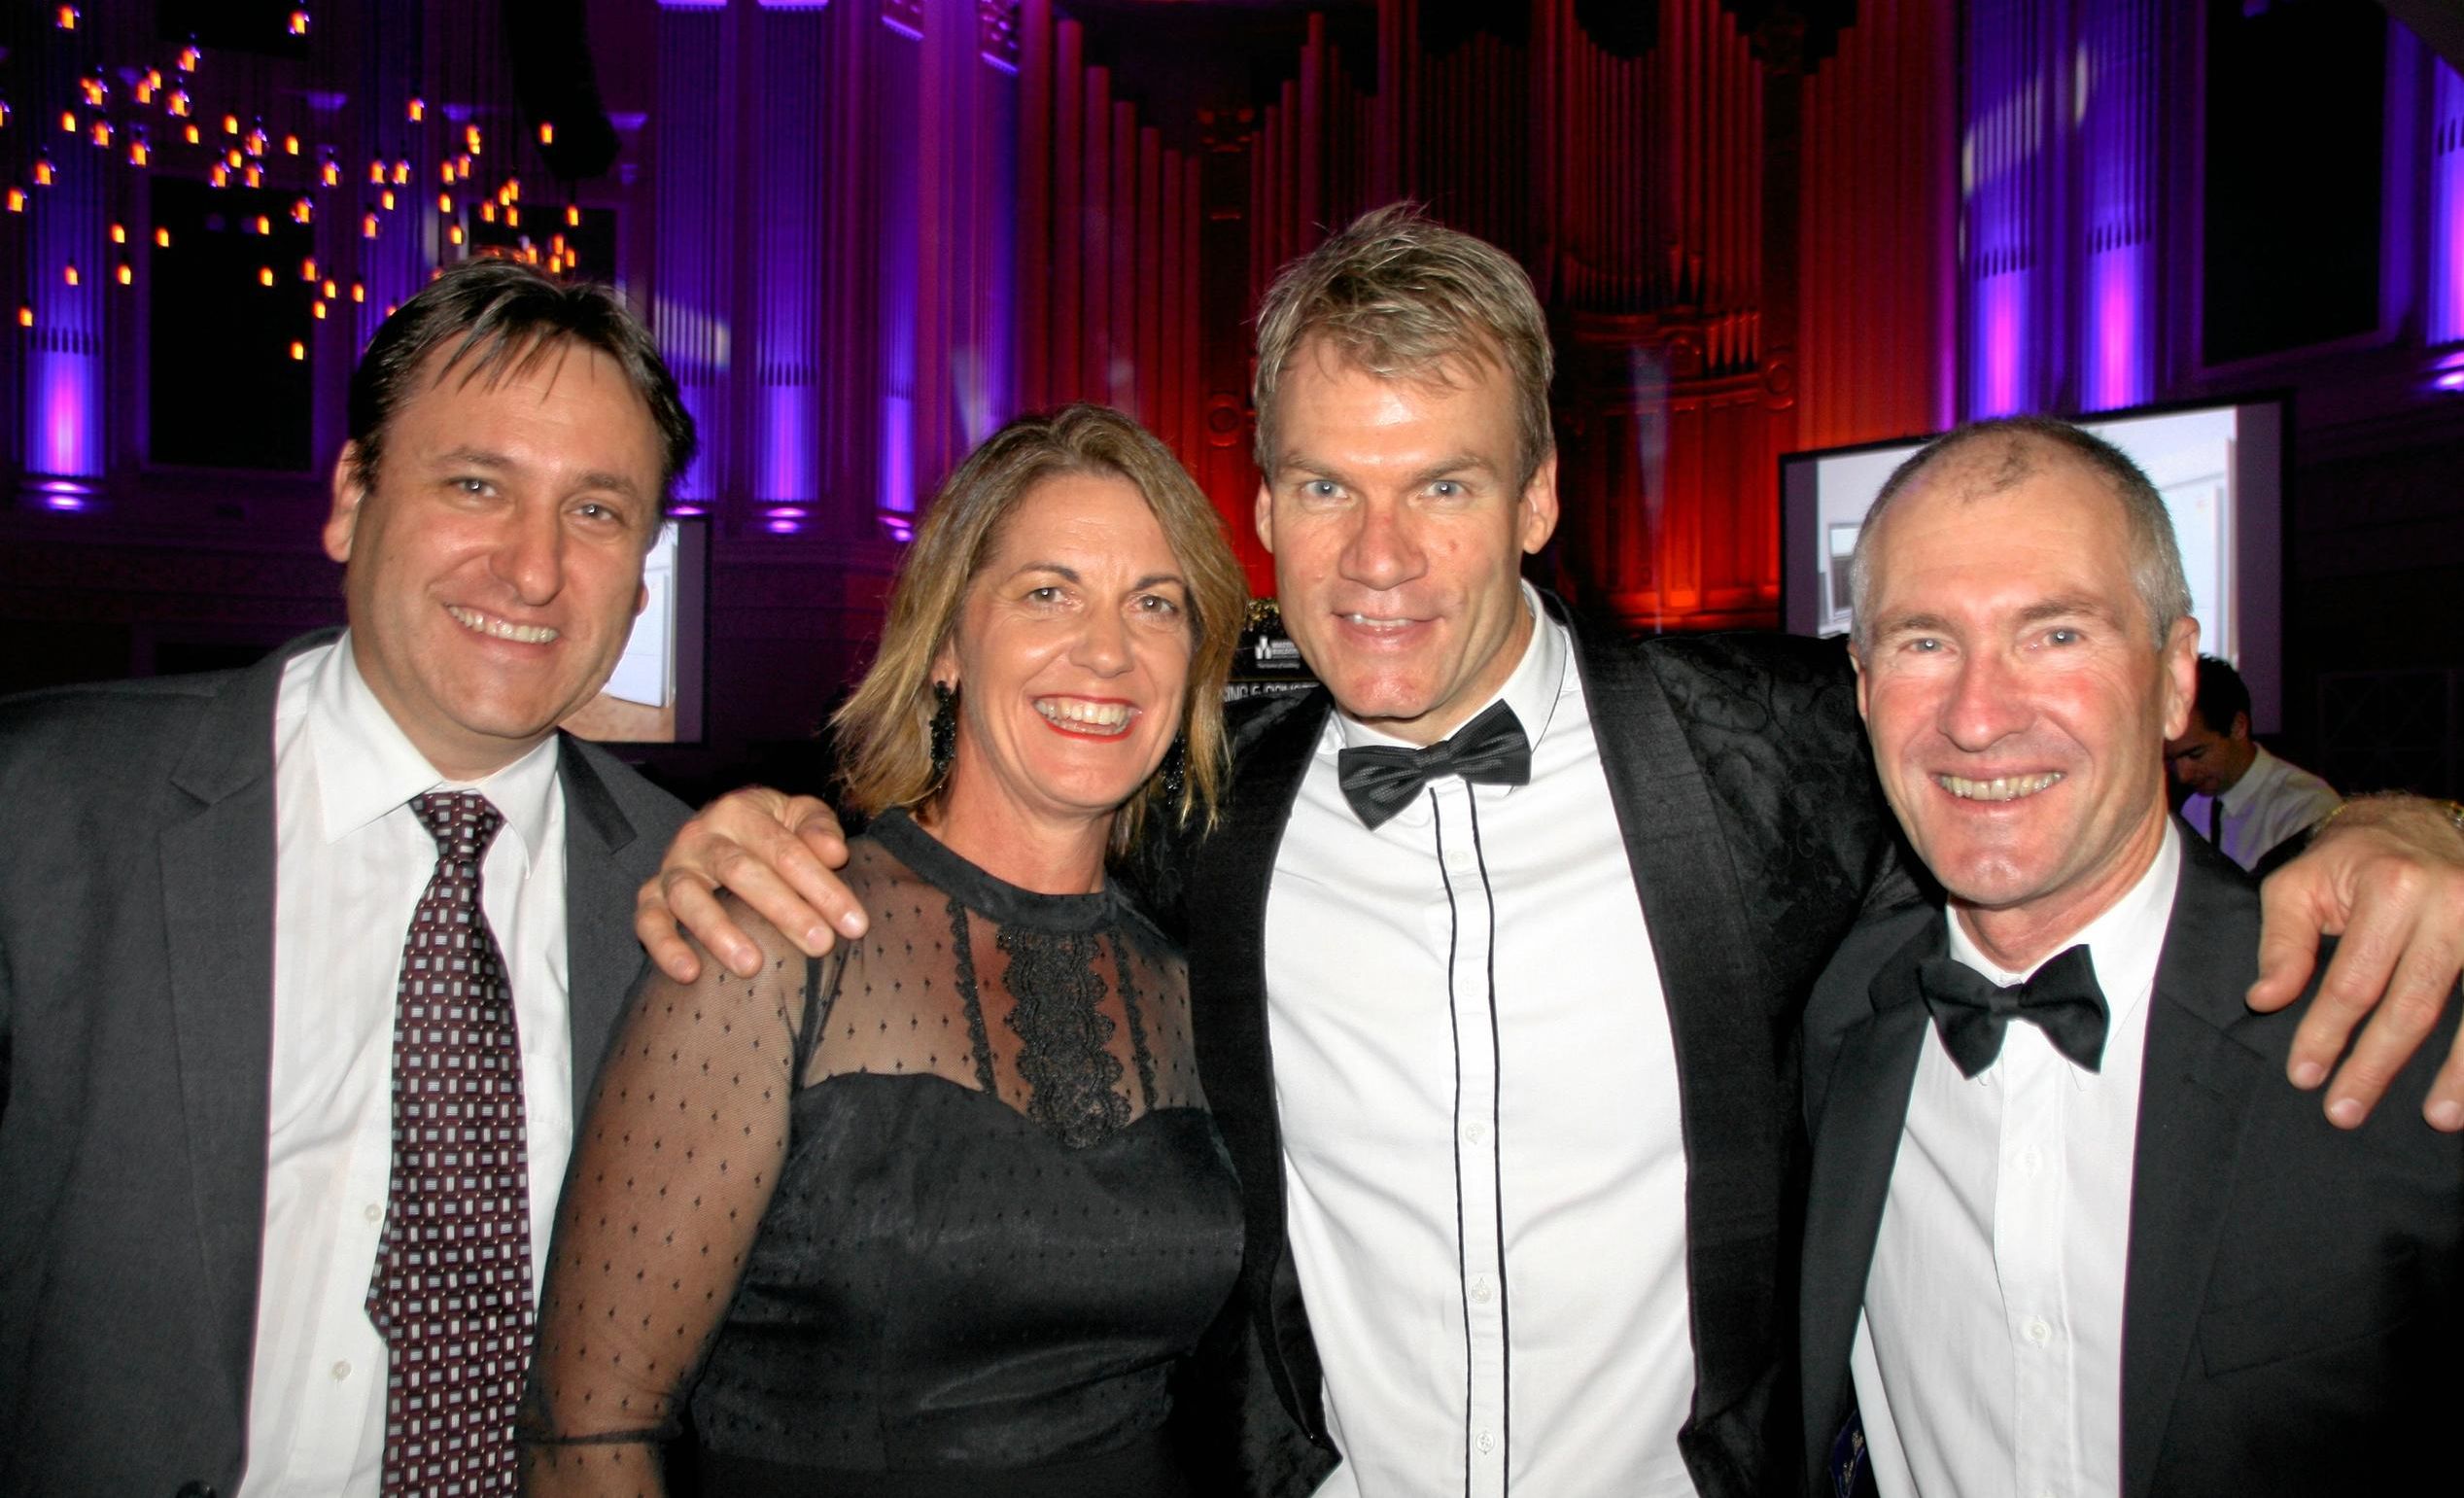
x: 2291, y: 1318
x: 1741, y: 781
x: 136, y: 1025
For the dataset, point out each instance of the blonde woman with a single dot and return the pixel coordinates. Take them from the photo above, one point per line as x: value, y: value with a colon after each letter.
x: 938, y: 1213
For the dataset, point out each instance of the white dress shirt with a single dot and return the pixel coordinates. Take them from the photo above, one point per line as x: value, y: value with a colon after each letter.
x: 351, y: 858
x: 1481, y: 1144
x: 2272, y: 801
x: 1988, y: 1358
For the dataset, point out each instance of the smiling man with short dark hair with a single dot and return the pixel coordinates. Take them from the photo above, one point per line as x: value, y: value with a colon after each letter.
x: 2248, y: 802
x: 304, y: 967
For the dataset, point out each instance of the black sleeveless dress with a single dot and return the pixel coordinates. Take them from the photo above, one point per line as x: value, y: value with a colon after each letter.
x: 937, y: 1215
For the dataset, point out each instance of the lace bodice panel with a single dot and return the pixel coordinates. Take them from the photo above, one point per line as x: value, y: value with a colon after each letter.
x: 1068, y: 1009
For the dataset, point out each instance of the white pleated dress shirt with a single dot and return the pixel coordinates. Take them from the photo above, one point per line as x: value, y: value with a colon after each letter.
x: 351, y: 860
x: 1478, y: 1088
x: 1988, y: 1358
x: 2272, y: 801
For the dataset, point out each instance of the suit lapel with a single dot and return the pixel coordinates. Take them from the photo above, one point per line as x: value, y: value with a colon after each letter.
x: 218, y: 893
x: 2195, y: 1095
x: 1859, y: 1111
x: 601, y: 958
x: 1687, y: 887
x: 1227, y: 925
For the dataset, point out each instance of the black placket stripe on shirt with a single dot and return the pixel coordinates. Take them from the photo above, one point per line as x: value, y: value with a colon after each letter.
x: 1497, y: 1168
x: 1454, y: 1021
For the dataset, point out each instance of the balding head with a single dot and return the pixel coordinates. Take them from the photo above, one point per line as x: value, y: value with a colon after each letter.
x: 1984, y: 459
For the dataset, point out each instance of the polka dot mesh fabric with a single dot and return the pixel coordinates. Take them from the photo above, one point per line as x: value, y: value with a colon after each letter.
x: 948, y: 1200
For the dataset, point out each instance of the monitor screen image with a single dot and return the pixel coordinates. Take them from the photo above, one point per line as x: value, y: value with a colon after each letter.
x: 2219, y: 467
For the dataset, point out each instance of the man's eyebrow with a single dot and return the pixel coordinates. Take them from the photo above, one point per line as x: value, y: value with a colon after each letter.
x: 1301, y: 464
x: 2067, y: 606
x: 1904, y: 623
x: 1288, y: 464
x: 481, y: 458
x: 613, y: 483
x: 473, y: 457
x: 1458, y: 463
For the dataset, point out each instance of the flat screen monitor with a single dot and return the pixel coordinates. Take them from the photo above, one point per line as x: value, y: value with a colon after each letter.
x: 2220, y: 467
x: 655, y: 696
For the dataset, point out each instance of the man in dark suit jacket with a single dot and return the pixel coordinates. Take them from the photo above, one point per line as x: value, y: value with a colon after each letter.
x: 513, y: 442
x: 2066, y: 1232
x: 1752, y: 850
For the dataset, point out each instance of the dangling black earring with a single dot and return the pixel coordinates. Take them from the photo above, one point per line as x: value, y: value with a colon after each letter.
x: 945, y: 730
x: 1175, y: 770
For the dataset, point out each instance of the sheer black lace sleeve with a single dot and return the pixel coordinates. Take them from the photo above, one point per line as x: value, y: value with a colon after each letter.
x: 673, y: 1167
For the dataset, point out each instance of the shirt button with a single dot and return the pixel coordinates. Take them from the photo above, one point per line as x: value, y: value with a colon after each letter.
x: 2032, y: 1162
x: 2037, y: 1331
x: 1482, y: 1290
x: 341, y: 1371
x: 373, y: 1213
x: 1488, y: 1443
x: 1473, y: 1131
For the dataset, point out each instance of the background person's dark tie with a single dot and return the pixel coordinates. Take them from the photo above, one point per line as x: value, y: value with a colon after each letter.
x: 1380, y: 780
x: 1972, y: 1011
x: 451, y: 1292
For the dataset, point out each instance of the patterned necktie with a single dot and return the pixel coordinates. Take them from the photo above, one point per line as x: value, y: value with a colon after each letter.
x: 1971, y: 1010
x: 451, y: 1292
x: 1379, y: 779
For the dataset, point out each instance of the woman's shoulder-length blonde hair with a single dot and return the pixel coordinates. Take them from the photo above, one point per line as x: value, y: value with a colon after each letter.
x: 884, y: 727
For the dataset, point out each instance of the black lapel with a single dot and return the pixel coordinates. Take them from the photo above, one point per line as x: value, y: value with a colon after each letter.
x: 217, y: 902
x: 2195, y: 1091
x: 1858, y: 1110
x: 1736, y: 1159
x: 602, y: 956
x: 1227, y: 947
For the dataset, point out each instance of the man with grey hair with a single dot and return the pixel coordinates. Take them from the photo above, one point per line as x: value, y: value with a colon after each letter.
x: 2084, y: 1243
x: 1497, y: 954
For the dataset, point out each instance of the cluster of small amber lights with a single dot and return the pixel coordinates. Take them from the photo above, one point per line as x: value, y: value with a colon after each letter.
x: 251, y: 157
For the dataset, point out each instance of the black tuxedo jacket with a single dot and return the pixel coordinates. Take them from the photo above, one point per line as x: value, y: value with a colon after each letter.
x: 2291, y: 1316
x: 136, y: 984
x: 1741, y: 781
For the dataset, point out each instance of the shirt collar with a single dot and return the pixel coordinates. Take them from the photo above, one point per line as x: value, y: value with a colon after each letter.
x: 2245, y: 790
x: 2123, y: 944
x: 1532, y: 690
x: 366, y: 766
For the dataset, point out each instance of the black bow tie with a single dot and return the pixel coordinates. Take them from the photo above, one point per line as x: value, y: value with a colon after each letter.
x: 1379, y: 781
x: 1970, y: 1010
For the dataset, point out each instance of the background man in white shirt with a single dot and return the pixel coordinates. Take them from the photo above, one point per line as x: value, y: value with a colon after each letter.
x: 2245, y: 800
x: 2067, y: 1234
x: 206, y: 903
x: 1507, y: 1068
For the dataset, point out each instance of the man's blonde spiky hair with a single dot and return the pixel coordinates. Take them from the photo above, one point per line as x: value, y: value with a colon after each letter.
x: 1402, y: 296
